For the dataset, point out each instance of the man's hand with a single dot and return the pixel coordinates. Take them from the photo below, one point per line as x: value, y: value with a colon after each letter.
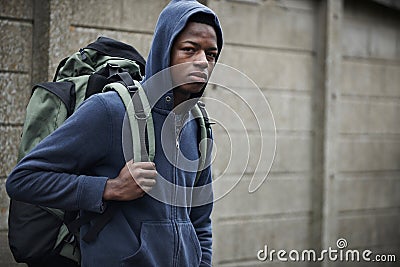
x: 134, y: 180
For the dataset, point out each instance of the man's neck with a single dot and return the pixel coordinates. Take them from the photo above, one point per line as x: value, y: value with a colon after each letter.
x: 180, y: 97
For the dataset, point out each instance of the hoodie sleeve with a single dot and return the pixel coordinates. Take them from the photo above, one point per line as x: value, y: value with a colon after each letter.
x: 201, y: 217
x: 50, y: 174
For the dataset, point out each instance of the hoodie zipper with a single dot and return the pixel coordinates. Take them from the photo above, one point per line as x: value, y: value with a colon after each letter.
x: 179, y: 123
x: 178, y: 127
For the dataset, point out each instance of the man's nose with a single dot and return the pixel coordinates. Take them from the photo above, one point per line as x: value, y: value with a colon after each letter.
x: 201, y: 60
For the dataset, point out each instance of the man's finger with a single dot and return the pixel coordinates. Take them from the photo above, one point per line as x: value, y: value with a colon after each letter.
x: 143, y: 182
x: 147, y: 165
x: 147, y: 189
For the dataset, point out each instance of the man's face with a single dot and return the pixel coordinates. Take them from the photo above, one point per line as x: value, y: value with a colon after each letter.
x: 196, y: 47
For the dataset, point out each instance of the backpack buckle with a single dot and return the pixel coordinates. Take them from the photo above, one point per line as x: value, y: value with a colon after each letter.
x: 141, y: 115
x: 201, y: 104
x: 112, y: 69
x: 113, y: 65
x: 132, y: 89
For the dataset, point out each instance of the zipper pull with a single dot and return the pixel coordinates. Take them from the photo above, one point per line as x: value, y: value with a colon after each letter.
x: 178, y: 127
x: 82, y: 52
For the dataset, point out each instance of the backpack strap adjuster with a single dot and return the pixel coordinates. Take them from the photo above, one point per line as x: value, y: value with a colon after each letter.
x: 141, y: 115
x: 113, y: 68
x: 132, y: 89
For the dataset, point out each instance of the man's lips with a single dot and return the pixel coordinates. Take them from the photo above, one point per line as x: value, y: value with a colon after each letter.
x: 199, y: 76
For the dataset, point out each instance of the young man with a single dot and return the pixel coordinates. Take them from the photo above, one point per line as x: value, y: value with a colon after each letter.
x: 83, y: 164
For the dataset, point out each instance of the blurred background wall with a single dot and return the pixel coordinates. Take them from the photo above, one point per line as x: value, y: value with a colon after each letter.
x: 330, y: 70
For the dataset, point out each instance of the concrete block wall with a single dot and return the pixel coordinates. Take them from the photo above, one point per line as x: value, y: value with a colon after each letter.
x: 16, y: 23
x: 285, y: 47
x: 272, y: 42
x: 368, y: 136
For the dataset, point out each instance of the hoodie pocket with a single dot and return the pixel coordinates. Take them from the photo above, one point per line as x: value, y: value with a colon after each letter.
x: 189, y: 249
x: 157, y: 243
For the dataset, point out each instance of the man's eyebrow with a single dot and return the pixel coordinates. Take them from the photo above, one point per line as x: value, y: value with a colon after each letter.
x: 190, y: 42
x: 198, y: 45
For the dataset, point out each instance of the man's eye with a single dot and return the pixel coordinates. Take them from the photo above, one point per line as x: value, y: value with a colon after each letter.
x: 212, y: 55
x: 188, y: 49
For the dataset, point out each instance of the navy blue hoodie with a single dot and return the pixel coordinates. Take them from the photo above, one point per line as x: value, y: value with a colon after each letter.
x: 69, y: 170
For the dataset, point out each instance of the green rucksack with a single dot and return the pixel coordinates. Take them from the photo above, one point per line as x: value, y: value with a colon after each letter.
x: 37, y: 233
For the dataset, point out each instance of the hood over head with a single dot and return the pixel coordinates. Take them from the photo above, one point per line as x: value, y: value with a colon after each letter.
x: 171, y: 22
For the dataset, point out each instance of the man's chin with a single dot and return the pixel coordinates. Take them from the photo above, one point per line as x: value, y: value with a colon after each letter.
x: 191, y: 88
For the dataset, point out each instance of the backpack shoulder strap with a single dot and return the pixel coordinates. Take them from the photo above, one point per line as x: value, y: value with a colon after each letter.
x: 139, y: 114
x: 200, y: 113
x: 141, y: 122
